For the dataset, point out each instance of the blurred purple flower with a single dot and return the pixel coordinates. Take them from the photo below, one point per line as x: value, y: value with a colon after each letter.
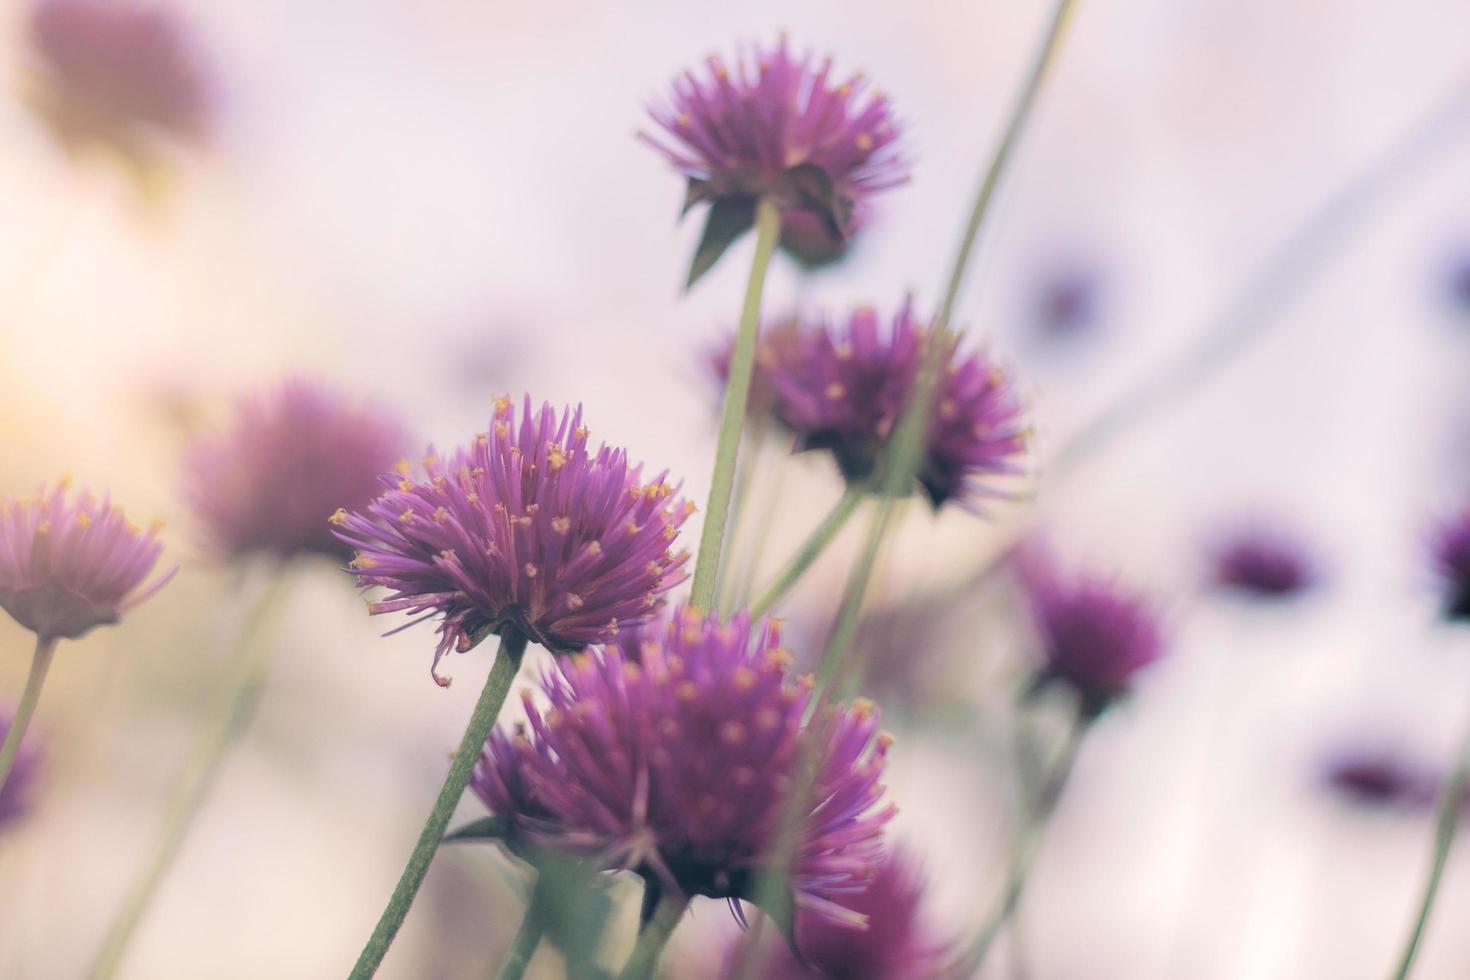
x: 810, y: 240
x: 1450, y: 552
x: 777, y: 127
x: 117, y: 72
x: 844, y: 388
x: 1066, y: 301
x: 677, y: 767
x: 1380, y: 778
x: 1264, y: 563
x: 1095, y: 635
x: 525, y: 531
x: 17, y: 795
x: 66, y: 568
x: 293, y: 456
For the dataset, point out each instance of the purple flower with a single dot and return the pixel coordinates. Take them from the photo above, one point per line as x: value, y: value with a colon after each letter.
x: 1066, y: 301
x: 16, y: 797
x: 292, y: 458
x: 677, y: 766
x: 777, y: 127
x: 118, y: 72
x: 66, y: 568
x: 844, y: 388
x: 810, y: 239
x: 1095, y: 636
x: 1264, y: 563
x: 524, y: 530
x: 1380, y: 778
x: 1450, y: 551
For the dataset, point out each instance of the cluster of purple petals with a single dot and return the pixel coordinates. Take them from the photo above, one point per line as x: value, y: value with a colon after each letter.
x: 17, y: 796
x: 526, y: 530
x: 844, y: 387
x: 1451, y: 555
x: 1095, y: 635
x: 69, y: 566
x: 677, y: 765
x: 110, y: 68
x: 292, y: 457
x: 1265, y: 564
x: 743, y: 131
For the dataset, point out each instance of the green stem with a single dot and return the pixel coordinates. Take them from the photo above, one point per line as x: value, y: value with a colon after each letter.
x: 1446, y: 822
x: 643, y: 962
x: 528, y: 937
x: 40, y: 663
x: 725, y: 577
x: 194, y: 788
x: 810, y: 549
x: 737, y: 395
x: 487, y: 708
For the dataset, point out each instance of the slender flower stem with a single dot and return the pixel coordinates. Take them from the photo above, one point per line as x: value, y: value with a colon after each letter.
x: 737, y: 396
x: 643, y: 962
x: 40, y: 663
x: 812, y: 547
x: 725, y: 577
x: 1446, y: 822
x: 253, y: 656
x: 528, y: 936
x: 487, y: 708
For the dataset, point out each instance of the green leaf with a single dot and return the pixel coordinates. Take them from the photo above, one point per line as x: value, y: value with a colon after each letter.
x: 490, y: 828
x: 729, y: 218
x: 781, y: 908
x: 697, y: 192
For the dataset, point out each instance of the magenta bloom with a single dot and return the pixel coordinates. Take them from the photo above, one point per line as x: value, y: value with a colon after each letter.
x: 292, y: 457
x: 119, y: 72
x: 1264, y: 564
x: 1095, y: 636
x: 844, y: 388
x: 525, y: 531
x: 66, y: 568
x: 776, y: 126
x: 676, y: 766
x: 17, y: 795
x: 1450, y: 550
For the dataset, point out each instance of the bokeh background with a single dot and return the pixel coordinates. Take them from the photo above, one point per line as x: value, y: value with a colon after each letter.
x: 433, y: 203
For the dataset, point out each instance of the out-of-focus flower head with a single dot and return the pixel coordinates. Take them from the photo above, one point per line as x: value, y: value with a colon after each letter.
x: 1380, y: 778
x: 69, y: 566
x: 292, y: 457
x: 17, y: 796
x: 1264, y: 563
x: 1065, y: 301
x: 1450, y: 552
x: 119, y: 74
x: 678, y: 765
x: 1095, y: 635
x: 524, y: 531
x: 844, y: 387
x: 810, y: 241
x: 777, y: 126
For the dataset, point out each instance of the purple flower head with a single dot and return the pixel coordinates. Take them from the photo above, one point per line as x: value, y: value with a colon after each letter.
x: 1095, y: 636
x: 67, y: 567
x: 677, y: 766
x: 810, y: 240
x: 1380, y: 778
x: 118, y: 72
x: 776, y: 126
x: 1066, y: 301
x: 17, y: 796
x: 525, y: 530
x: 1450, y: 550
x: 843, y: 388
x: 1264, y: 564
x: 292, y: 458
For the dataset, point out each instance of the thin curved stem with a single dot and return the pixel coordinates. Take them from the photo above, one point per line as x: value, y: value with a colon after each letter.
x: 643, y: 962
x: 528, y: 938
x: 732, y: 419
x: 726, y: 575
x: 824, y: 534
x: 40, y: 664
x: 194, y: 788
x: 487, y: 708
x: 1447, y: 821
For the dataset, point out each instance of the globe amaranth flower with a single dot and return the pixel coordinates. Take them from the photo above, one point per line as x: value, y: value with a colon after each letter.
x: 1450, y: 552
x: 843, y: 388
x: 117, y: 73
x: 291, y: 458
x: 524, y: 531
x: 1095, y: 635
x: 69, y: 566
x: 898, y: 943
x: 678, y: 766
x: 18, y: 792
x: 1263, y: 563
x: 778, y: 127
